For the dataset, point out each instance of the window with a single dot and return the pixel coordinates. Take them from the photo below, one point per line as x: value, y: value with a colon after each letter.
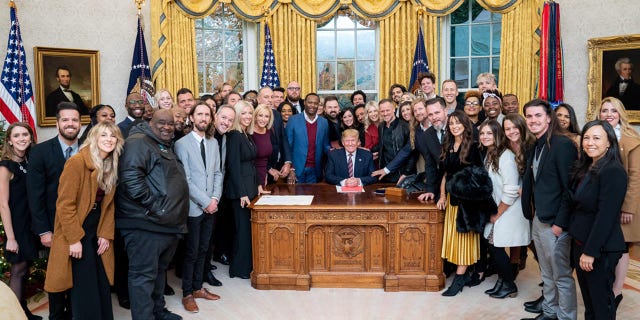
x: 346, y: 57
x: 220, y: 51
x: 474, y: 37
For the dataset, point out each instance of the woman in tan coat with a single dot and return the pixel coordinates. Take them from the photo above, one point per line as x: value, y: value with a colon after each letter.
x: 81, y: 257
x: 612, y: 110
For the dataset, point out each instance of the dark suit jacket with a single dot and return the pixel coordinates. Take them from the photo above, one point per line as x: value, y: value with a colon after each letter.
x: 337, y: 169
x: 57, y: 96
x: 241, y: 173
x: 284, y: 150
x: 631, y: 96
x: 597, y: 203
x: 125, y: 125
x: 46, y: 162
x: 548, y: 196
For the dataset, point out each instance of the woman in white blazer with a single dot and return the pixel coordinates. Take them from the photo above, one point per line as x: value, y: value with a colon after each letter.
x: 508, y: 227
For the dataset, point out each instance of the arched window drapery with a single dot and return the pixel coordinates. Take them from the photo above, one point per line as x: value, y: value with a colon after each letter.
x: 293, y: 26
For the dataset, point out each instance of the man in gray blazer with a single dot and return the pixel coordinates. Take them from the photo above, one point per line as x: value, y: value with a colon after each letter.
x: 200, y: 157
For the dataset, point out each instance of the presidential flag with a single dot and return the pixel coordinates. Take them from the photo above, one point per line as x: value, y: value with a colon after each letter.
x: 420, y: 62
x: 140, y: 76
x: 16, y: 95
x: 270, y: 76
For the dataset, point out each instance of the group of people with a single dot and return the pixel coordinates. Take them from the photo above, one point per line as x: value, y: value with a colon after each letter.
x: 171, y: 187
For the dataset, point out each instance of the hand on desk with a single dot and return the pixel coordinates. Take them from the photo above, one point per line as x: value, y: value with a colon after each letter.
x: 379, y: 173
x: 352, y: 182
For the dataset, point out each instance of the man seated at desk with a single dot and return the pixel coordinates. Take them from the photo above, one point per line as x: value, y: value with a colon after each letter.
x: 350, y: 166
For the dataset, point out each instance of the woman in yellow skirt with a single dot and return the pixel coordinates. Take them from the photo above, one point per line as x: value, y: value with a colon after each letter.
x: 459, y: 151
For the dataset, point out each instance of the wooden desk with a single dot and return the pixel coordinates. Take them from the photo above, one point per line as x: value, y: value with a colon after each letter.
x: 347, y: 240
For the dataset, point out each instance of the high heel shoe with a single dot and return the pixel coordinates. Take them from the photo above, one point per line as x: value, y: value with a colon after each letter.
x: 508, y: 289
x: 457, y: 285
x: 27, y: 312
x: 495, y: 288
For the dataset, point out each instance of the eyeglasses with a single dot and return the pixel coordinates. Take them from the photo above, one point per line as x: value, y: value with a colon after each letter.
x: 471, y: 103
x: 294, y: 88
x: 136, y: 101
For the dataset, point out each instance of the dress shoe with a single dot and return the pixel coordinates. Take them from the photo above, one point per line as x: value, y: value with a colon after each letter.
x: 168, y: 291
x: 495, y: 288
x: 534, y: 302
x: 190, y: 304
x: 214, y: 267
x: 457, y: 285
x: 205, y: 294
x: 211, y: 279
x: 508, y: 289
x: 540, y: 317
x: 124, y: 302
x: 167, y: 315
x: 475, y: 279
x: 222, y: 259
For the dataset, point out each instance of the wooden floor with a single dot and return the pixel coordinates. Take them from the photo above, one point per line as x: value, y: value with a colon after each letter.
x: 240, y: 301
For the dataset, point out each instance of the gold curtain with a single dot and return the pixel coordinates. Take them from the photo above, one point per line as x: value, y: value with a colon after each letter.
x: 500, y: 6
x: 173, y: 49
x: 519, y: 63
x: 294, y: 46
x: 398, y: 35
x: 440, y: 7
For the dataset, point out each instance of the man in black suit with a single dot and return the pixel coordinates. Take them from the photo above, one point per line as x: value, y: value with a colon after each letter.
x: 350, y: 166
x: 46, y: 162
x: 624, y: 88
x: 546, y: 200
x: 135, y: 110
x: 63, y: 94
x: 294, y: 95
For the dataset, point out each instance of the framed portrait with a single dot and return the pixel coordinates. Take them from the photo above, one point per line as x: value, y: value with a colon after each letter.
x: 65, y: 75
x: 611, y: 60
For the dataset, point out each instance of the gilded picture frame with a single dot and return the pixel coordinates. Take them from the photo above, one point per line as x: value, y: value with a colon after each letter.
x: 603, y: 54
x: 83, y: 72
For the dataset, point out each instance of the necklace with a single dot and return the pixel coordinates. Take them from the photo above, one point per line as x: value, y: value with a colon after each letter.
x: 23, y: 169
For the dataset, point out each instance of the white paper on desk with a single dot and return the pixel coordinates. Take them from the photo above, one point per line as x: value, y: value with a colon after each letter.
x: 339, y: 189
x: 267, y: 200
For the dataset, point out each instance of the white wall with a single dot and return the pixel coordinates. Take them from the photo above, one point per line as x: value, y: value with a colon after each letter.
x: 108, y: 26
x: 580, y: 21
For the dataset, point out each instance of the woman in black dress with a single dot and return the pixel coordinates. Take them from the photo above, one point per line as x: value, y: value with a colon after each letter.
x: 21, y: 245
x: 599, y: 188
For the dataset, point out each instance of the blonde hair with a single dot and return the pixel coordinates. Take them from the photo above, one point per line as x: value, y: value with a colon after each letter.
x: 156, y: 97
x: 256, y: 112
x: 625, y: 128
x: 370, y: 105
x: 107, y: 168
x: 236, y: 122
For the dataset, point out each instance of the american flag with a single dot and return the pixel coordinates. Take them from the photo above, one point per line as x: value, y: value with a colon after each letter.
x: 140, y: 76
x: 420, y: 62
x: 16, y: 95
x: 270, y: 76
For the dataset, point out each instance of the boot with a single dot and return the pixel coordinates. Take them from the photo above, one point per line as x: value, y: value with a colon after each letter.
x: 508, y: 289
x: 496, y: 288
x: 456, y: 286
x: 475, y: 279
x: 27, y: 312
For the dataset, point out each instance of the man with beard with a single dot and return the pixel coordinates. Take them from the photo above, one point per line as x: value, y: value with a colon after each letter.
x: 135, y: 111
x: 331, y: 112
x: 222, y: 240
x: 394, y: 135
x: 151, y: 211
x: 200, y: 156
x: 293, y: 96
x: 46, y: 162
x: 278, y: 97
x: 307, y: 134
x: 450, y: 94
x: 396, y: 91
x: 63, y: 93
x: 179, y: 118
